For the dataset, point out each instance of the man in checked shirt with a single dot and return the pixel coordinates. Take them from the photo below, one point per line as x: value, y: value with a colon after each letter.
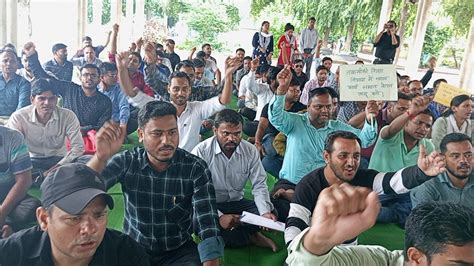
x: 165, y: 189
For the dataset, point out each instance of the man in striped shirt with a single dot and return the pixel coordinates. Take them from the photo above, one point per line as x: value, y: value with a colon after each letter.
x: 16, y: 207
x: 342, y: 156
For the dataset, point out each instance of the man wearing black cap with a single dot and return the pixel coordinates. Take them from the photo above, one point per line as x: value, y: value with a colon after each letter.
x: 59, y: 65
x: 72, y: 226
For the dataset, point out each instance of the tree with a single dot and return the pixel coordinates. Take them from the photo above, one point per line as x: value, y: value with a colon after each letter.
x: 461, y: 13
x: 435, y: 39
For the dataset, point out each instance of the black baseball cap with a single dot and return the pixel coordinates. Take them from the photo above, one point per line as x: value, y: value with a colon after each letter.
x: 58, y: 46
x: 72, y: 186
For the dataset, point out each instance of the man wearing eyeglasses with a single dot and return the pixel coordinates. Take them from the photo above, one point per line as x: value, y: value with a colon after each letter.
x: 386, y: 43
x: 300, y: 75
x: 91, y: 107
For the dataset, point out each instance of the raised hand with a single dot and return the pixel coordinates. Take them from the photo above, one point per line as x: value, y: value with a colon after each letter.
x: 109, y: 140
x: 284, y: 77
x: 341, y: 213
x: 254, y: 64
x: 371, y: 110
x: 229, y: 221
x: 432, y: 63
x: 115, y: 28
x: 122, y: 59
x: 433, y: 164
x: 418, y: 104
x: 232, y: 64
x: 29, y: 48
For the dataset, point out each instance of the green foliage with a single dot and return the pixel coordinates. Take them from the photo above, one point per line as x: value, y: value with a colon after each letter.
x: 154, y: 8
x: 257, y: 6
x: 396, y: 13
x: 461, y: 12
x: 207, y: 24
x: 233, y: 16
x: 106, y: 9
x: 435, y: 39
x: 89, y: 11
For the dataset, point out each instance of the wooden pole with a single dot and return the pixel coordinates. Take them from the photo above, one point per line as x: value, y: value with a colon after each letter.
x: 466, y: 79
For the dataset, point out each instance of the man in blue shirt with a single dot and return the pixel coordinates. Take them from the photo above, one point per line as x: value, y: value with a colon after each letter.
x: 14, y: 90
x: 109, y: 87
x: 306, y: 134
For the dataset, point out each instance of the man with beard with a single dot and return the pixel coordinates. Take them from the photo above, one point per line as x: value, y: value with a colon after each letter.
x: 190, y: 114
x: 91, y: 107
x: 232, y: 162
x: 46, y: 128
x: 342, y: 156
x: 457, y: 184
x: 306, y: 134
x: 398, y: 146
x: 59, y: 65
x: 165, y: 189
x: 320, y: 81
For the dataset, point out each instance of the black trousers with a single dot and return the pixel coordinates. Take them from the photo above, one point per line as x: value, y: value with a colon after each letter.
x: 24, y: 213
x: 187, y: 255
x: 239, y: 236
x: 282, y: 205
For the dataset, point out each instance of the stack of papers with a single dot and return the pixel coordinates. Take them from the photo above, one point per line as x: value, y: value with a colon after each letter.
x: 254, y: 219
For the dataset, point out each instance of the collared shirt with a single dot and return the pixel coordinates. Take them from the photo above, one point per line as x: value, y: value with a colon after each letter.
x: 230, y: 175
x: 14, y: 159
x: 392, y: 154
x: 310, y: 86
x: 14, y: 94
x: 174, y: 59
x: 190, y: 120
x: 49, y: 140
x: 120, y: 106
x: 308, y: 39
x: 32, y: 246
x: 259, y: 88
x: 360, y: 255
x: 240, y: 74
x: 81, y: 61
x: 160, y: 206
x: 92, y: 111
x: 307, y: 192
x: 62, y: 72
x: 305, y: 143
x: 442, y: 189
x: 347, y: 111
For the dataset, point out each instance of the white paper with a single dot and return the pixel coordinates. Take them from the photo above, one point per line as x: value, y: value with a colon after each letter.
x: 254, y: 219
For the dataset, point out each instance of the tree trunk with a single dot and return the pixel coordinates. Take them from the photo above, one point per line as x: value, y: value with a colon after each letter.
x: 401, y: 29
x: 466, y: 79
x: 350, y: 35
x: 326, y: 36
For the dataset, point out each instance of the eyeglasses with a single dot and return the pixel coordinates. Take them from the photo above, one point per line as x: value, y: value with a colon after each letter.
x: 298, y: 66
x: 86, y: 75
x: 320, y: 107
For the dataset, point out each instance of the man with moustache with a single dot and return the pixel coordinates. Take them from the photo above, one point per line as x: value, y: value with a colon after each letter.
x: 190, y: 113
x: 232, y: 162
x: 456, y: 184
x: 71, y: 226
x: 168, y: 192
x: 46, y: 128
x: 91, y: 107
x: 321, y: 80
x: 342, y: 156
x: 398, y: 146
x: 59, y: 65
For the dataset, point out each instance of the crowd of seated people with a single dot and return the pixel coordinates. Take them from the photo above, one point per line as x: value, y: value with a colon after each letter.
x: 338, y: 168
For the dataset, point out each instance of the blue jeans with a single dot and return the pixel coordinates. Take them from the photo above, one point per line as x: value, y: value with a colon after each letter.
x: 272, y: 162
x: 395, y: 209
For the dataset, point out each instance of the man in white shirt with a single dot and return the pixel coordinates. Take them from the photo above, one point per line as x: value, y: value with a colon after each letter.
x: 308, y: 40
x: 190, y: 114
x: 46, y: 127
x: 262, y: 88
x: 232, y: 161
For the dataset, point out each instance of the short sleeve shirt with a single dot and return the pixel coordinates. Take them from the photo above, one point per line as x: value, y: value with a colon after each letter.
x: 14, y: 158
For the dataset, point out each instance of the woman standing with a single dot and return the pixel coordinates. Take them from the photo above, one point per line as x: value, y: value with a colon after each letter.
x: 457, y: 119
x: 262, y: 43
x: 288, y: 45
